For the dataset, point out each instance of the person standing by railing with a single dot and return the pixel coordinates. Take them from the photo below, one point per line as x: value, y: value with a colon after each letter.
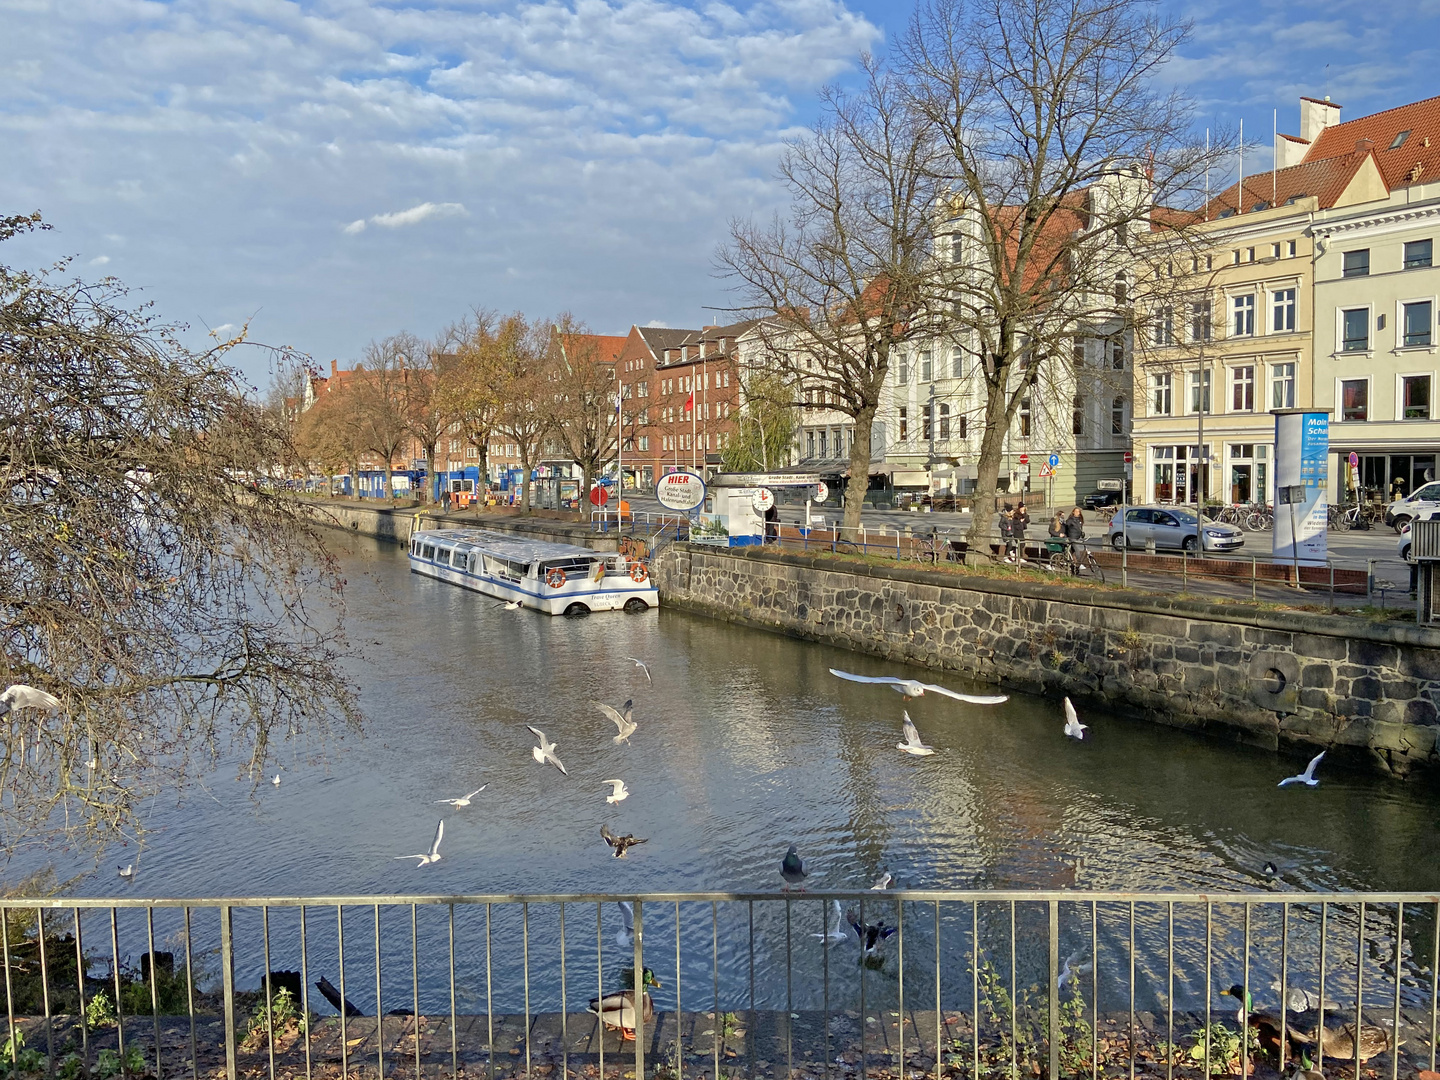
x: 1019, y: 523
x: 1075, y: 533
x: 1007, y: 529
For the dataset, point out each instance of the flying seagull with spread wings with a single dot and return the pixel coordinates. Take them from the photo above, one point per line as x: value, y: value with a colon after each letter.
x: 912, y: 688
x: 545, y: 752
x: 621, y: 717
x: 433, y: 855
x: 912, y: 743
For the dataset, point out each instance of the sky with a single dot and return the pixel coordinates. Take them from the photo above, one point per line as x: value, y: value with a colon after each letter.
x: 329, y: 172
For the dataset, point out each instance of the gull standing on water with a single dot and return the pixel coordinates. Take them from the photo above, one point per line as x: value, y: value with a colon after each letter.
x: 912, y: 688
x: 127, y: 871
x: 621, y: 716
x: 20, y: 696
x: 433, y: 855
x: 642, y: 666
x: 1308, y: 776
x: 464, y: 800
x: 912, y: 743
x: 1073, y: 727
x: 276, y: 780
x: 545, y: 752
x: 618, y: 791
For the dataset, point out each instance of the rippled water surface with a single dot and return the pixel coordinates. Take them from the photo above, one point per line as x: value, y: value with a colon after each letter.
x: 746, y: 744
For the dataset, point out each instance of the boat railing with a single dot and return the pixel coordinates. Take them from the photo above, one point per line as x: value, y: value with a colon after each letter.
x: 1058, y: 983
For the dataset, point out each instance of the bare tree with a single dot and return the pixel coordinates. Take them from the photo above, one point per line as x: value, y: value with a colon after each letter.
x: 426, y: 418
x: 1060, y: 151
x: 379, y: 395
x: 468, y: 379
x: 847, y: 280
x: 178, y: 608
x: 586, y: 410
x: 329, y: 435
x: 526, y: 390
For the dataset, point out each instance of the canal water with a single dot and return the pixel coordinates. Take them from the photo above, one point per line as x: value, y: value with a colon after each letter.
x: 745, y: 744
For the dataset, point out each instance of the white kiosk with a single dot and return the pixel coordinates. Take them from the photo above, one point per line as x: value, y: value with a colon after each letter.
x: 737, y: 502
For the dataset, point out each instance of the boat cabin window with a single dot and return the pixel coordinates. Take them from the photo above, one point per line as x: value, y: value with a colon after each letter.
x: 572, y: 567
x: 500, y: 568
x: 430, y: 551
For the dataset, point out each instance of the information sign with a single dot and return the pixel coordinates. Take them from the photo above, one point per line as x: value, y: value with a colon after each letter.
x: 762, y: 500
x: 683, y: 490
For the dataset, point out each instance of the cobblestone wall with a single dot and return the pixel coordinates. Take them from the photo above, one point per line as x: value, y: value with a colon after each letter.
x: 1276, y: 679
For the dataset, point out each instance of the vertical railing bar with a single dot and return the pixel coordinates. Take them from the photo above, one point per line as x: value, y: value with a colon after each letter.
x: 344, y: 1027
x: 750, y: 1029
x: 1434, y: 985
x: 975, y: 981
x: 1170, y: 989
x: 789, y: 996
x: 900, y: 968
x: 564, y: 1031
x: 939, y: 1014
x: 1395, y: 1028
x: 718, y: 1026
x: 1284, y: 980
x: 304, y: 985
x: 1014, y: 1012
x: 379, y: 1007
x: 1209, y: 976
x: 454, y: 1035
x: 1320, y: 1023
x: 80, y: 985
x: 1132, y: 990
x: 1359, y: 986
x: 679, y: 1009
x: 9, y: 997
x: 227, y: 976
x: 600, y: 990
x: 1053, y: 988
x: 45, y: 990
x: 154, y: 986
x: 267, y: 991
x: 415, y: 984
x: 1094, y: 991
x: 490, y: 1001
x: 639, y: 960
x: 864, y: 1057
x: 1245, y: 1004
x: 525, y: 972
x: 824, y: 986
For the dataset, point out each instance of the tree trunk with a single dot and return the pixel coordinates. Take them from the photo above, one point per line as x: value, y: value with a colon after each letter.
x: 389, y: 479
x: 483, y: 469
x: 432, y: 463
x: 525, y: 487
x: 582, y: 504
x: 992, y: 447
x: 355, y: 479
x: 859, y: 482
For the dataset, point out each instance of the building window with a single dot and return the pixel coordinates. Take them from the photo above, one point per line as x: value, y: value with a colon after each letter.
x: 1165, y: 326
x: 1077, y: 353
x: 957, y: 364
x: 926, y: 371
x: 1417, y: 323
x: 1243, y: 309
x: 926, y: 428
x: 904, y: 374
x: 1025, y: 418
x: 1291, y: 249
x: 1354, y: 399
x: 1398, y: 141
x: 1417, y: 254
x: 1282, y: 386
x: 1077, y: 416
x: 1357, y: 263
x: 1415, y: 397
x: 1122, y: 289
x: 1117, y: 416
x: 810, y: 444
x: 1274, y: 251
x: 904, y: 427
x: 1117, y: 353
x: 1282, y: 309
x: 957, y: 249
x: 1200, y: 321
x: 1200, y: 391
x: 1242, y: 382
x: 1160, y: 385
x: 944, y: 421
x: 823, y: 436
x: 1355, y: 330
x: 961, y: 426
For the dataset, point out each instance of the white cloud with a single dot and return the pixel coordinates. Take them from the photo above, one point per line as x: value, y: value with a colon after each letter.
x: 417, y: 214
x: 100, y: 260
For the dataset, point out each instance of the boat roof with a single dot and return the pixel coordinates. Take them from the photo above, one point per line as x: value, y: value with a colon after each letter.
x: 505, y: 546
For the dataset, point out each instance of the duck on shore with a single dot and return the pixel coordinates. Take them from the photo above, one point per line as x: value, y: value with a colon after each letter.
x: 1341, y: 1043
x: 617, y: 1009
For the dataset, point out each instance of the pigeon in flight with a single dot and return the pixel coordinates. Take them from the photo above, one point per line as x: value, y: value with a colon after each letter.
x: 433, y: 855
x: 1308, y: 776
x: 1073, y: 727
x: 642, y: 666
x: 618, y: 791
x: 912, y: 688
x: 912, y: 744
x: 20, y: 696
x: 793, y: 870
x: 1073, y: 969
x: 621, y: 717
x: 621, y: 843
x: 464, y: 800
x: 545, y: 752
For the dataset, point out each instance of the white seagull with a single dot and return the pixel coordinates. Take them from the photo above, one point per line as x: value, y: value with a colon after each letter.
x: 912, y: 743
x: 464, y: 800
x: 642, y: 666
x: 1073, y: 970
x: 20, y: 696
x: 618, y: 791
x: 625, y: 936
x: 127, y: 871
x: 1308, y: 776
x: 1073, y: 727
x: 912, y: 688
x: 511, y: 605
x: 883, y: 881
x: 276, y: 780
x: 621, y: 716
x: 433, y: 855
x: 833, y: 933
x: 545, y: 752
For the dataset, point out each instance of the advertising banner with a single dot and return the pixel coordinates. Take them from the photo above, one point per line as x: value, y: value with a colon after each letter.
x: 1302, y: 451
x: 680, y: 490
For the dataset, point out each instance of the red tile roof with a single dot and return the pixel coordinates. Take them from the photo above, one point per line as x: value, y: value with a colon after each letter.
x: 1398, y: 165
x: 1326, y: 179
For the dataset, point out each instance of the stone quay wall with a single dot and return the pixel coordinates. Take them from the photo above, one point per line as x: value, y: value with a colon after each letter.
x: 1287, y: 680
x: 386, y: 522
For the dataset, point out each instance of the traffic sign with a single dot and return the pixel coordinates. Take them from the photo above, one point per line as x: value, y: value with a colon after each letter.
x: 1024, y: 459
x: 1046, y: 470
x: 1054, y: 461
x: 1354, y: 460
x: 1128, y: 457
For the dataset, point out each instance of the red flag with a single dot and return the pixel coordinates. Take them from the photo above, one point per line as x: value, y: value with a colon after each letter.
x: 690, y: 401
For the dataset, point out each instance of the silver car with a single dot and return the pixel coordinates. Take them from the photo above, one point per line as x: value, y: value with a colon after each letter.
x: 1170, y: 527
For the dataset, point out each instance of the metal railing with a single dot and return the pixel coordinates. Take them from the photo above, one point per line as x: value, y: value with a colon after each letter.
x: 641, y: 521
x: 973, y: 984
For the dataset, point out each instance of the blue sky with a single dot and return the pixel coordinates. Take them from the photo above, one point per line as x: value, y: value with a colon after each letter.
x: 332, y: 171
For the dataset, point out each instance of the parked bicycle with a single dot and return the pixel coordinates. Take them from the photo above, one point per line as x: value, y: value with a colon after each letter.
x: 1083, y: 564
x: 933, y: 549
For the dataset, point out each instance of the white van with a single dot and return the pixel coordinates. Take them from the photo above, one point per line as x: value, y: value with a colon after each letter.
x: 1423, y: 499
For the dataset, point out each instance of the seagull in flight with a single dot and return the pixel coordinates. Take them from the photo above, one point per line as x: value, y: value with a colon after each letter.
x: 912, y: 743
x: 621, y: 716
x: 642, y: 666
x: 883, y: 881
x: 625, y: 936
x: 511, y: 605
x: 545, y: 752
x: 912, y: 688
x: 621, y: 843
x: 1308, y: 776
x: 433, y: 855
x: 618, y: 791
x: 464, y: 800
x: 1073, y: 727
x: 836, y: 932
x: 20, y: 696
x: 127, y: 871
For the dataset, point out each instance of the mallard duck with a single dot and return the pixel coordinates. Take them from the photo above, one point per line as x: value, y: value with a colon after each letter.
x: 617, y: 1009
x: 1267, y: 1027
x: 1340, y: 1044
x: 1304, y: 1069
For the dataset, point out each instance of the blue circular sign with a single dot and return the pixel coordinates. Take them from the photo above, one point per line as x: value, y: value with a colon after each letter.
x: 1054, y: 461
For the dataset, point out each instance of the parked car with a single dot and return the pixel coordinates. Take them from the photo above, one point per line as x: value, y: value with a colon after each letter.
x: 1098, y: 500
x: 1170, y: 527
x: 1420, y: 501
x: 1403, y: 545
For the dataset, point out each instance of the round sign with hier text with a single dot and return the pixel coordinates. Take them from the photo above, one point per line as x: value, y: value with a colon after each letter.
x: 762, y: 500
x: 821, y: 492
x: 680, y: 490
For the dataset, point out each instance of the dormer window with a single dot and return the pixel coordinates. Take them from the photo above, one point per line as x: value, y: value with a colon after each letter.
x: 1399, y: 140
x: 1227, y: 212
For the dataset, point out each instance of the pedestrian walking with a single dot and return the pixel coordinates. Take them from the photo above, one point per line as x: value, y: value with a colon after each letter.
x: 1019, y: 522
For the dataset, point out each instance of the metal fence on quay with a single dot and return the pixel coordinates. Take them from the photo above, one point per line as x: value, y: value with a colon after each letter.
x: 972, y: 984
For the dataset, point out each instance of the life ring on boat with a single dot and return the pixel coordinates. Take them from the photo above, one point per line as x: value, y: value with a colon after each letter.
x: 555, y: 578
x: 638, y: 572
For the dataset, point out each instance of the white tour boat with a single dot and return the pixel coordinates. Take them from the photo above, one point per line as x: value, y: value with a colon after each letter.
x: 558, y: 579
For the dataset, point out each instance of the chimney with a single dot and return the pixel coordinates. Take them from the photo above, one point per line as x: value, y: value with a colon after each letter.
x: 1315, y: 116
x: 1289, y: 150
x: 1364, y: 146
x: 334, y: 368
